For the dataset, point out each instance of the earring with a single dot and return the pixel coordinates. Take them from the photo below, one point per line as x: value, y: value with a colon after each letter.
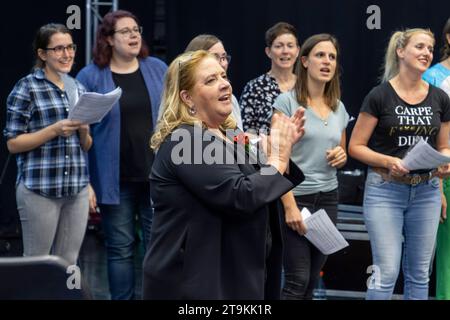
x: 192, y: 111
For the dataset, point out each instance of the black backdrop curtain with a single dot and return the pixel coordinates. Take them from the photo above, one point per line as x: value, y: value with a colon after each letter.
x: 242, y: 24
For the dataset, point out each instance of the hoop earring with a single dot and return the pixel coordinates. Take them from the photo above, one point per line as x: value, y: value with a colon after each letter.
x: 192, y: 111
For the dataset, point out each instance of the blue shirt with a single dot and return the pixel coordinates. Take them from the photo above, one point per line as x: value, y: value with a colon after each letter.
x: 57, y: 168
x: 437, y: 75
x: 104, y: 155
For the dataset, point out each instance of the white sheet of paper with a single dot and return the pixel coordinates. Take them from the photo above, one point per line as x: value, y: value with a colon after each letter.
x: 423, y: 156
x: 322, y: 233
x: 305, y: 213
x: 91, y: 107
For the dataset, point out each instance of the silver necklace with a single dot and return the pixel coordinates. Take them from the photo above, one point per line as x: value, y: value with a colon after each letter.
x: 324, y: 120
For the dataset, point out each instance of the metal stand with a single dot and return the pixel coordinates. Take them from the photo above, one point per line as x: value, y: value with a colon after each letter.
x: 93, y: 17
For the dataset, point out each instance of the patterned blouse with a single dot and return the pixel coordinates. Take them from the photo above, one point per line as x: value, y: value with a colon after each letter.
x: 256, y: 103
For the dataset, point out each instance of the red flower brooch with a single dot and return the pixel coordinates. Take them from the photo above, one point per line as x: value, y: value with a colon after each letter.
x: 242, y: 139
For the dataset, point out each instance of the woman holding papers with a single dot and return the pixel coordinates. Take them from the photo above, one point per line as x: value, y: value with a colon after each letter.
x: 52, y: 176
x: 439, y: 76
x: 319, y: 154
x: 103, y: 103
x: 402, y: 207
x: 120, y: 159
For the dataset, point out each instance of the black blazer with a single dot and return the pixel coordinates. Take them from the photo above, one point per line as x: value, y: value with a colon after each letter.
x: 211, y: 222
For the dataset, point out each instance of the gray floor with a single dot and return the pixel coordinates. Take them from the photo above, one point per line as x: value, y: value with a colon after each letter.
x: 93, y: 266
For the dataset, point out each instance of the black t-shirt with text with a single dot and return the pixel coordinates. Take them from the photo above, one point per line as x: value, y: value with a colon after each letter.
x: 400, y: 124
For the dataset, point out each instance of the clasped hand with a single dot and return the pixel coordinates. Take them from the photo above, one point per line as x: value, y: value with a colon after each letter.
x: 396, y: 168
x: 443, y: 171
x: 336, y: 157
x: 66, y: 128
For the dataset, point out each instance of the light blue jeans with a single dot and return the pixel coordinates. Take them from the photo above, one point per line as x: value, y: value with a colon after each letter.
x: 401, y: 217
x: 51, y: 225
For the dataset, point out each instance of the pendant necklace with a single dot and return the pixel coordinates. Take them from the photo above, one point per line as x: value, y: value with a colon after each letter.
x: 324, y: 120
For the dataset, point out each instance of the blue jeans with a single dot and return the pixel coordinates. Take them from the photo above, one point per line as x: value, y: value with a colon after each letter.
x: 119, y: 225
x: 401, y: 217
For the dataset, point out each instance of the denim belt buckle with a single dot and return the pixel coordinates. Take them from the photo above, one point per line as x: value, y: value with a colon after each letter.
x: 415, y: 180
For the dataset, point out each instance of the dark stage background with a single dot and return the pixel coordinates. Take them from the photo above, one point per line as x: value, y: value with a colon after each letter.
x: 240, y: 24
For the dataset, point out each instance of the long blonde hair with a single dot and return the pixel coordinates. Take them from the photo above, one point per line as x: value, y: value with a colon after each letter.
x: 181, y: 75
x: 399, y: 40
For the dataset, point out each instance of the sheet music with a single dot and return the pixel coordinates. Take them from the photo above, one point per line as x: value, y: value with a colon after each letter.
x: 322, y: 233
x: 423, y: 156
x: 91, y: 107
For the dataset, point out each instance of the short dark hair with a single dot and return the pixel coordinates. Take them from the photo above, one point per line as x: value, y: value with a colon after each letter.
x: 42, y: 39
x: 102, y: 52
x: 445, y: 50
x: 279, y: 29
x: 202, y: 42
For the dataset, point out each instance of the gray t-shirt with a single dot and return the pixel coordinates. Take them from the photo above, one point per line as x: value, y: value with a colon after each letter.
x: 310, y: 152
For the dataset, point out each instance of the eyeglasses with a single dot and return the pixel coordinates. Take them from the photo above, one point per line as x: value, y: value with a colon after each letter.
x: 126, y: 32
x: 223, y: 58
x: 71, y: 48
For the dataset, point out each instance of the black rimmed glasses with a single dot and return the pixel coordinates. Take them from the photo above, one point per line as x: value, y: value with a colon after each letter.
x: 71, y: 48
x: 126, y: 32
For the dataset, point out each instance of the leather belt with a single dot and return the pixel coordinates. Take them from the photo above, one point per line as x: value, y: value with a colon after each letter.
x: 410, y: 179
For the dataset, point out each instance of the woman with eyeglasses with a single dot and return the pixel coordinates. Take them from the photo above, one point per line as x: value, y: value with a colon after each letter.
x: 121, y: 159
x: 215, y: 46
x: 258, y: 96
x: 52, y: 175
